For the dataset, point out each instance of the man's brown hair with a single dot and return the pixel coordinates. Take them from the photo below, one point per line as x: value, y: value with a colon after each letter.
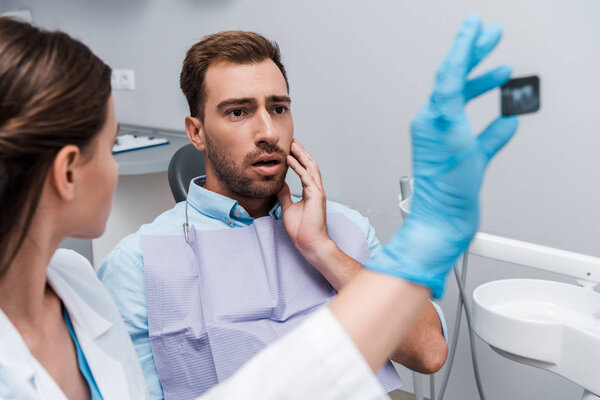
x: 235, y: 46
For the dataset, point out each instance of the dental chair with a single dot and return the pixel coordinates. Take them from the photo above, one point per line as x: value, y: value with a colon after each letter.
x: 186, y: 164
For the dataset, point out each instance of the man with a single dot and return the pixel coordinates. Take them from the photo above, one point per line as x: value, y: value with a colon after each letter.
x: 200, y: 300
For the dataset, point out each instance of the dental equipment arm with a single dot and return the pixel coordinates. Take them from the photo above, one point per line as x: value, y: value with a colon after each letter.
x: 585, y: 269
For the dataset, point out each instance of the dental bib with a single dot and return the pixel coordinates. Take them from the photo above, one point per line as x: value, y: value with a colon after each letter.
x: 215, y: 302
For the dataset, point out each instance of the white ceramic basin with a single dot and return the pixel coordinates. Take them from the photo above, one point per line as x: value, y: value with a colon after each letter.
x: 546, y: 324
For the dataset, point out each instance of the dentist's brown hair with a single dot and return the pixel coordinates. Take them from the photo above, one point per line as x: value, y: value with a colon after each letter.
x: 53, y: 92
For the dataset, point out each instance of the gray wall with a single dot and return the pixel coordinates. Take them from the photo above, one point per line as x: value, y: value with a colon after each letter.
x: 359, y: 71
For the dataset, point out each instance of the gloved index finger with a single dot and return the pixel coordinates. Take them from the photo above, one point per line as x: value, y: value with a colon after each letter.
x: 453, y: 70
x: 486, y: 42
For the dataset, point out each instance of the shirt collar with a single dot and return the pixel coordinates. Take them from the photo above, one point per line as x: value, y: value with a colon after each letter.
x: 82, y: 315
x: 221, y: 207
x: 14, y: 353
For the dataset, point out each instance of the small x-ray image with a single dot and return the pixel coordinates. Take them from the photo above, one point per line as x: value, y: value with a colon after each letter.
x: 521, y: 96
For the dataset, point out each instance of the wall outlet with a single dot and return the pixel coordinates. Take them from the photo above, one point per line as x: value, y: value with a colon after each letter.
x: 122, y: 79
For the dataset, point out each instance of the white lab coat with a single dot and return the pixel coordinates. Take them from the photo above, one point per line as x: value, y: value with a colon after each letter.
x: 317, y: 360
x: 101, y: 333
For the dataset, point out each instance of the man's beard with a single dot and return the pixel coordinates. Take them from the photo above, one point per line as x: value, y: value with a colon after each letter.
x: 232, y: 177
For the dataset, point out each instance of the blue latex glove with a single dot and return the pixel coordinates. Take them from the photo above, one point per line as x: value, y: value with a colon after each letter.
x: 448, y: 165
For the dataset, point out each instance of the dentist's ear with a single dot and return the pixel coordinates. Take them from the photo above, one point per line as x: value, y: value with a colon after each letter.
x: 64, y: 172
x: 195, y: 132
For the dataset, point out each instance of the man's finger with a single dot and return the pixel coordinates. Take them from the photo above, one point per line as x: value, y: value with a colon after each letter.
x: 486, y: 42
x: 305, y: 159
x: 453, y: 70
x: 302, y: 155
x: 305, y: 177
x: 487, y: 81
x: 497, y: 134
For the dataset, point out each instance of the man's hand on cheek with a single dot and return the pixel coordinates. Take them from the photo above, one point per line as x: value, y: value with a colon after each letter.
x: 305, y: 221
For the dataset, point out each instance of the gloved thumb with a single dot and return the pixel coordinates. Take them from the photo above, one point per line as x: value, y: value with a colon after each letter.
x: 496, y: 135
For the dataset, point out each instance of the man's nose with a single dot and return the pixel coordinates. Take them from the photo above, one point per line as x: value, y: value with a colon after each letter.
x: 265, y: 130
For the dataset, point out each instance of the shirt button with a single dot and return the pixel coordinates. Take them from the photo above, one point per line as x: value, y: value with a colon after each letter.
x: 228, y: 221
x: 237, y: 213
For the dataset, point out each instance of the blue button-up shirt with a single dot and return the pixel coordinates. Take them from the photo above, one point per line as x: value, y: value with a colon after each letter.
x: 122, y: 271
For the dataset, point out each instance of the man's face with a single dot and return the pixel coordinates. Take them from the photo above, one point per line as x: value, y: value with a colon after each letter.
x: 247, y: 128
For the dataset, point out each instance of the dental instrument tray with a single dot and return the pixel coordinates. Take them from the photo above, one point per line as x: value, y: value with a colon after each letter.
x: 134, y: 139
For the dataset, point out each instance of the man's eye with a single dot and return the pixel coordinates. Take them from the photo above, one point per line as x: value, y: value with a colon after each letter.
x: 279, y: 110
x: 236, y: 113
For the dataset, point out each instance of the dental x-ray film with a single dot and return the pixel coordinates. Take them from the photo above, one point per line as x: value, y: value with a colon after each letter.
x: 521, y: 96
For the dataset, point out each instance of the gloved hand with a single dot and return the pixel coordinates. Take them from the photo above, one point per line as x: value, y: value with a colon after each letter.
x: 448, y: 165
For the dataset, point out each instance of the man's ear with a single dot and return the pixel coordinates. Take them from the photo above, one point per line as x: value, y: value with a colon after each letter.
x: 195, y: 132
x: 64, y: 171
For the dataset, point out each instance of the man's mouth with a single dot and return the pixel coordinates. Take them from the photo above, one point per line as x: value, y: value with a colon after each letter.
x: 267, y: 164
x: 267, y: 159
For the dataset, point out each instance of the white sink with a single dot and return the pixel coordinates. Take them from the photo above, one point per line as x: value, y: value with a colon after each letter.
x: 546, y: 324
